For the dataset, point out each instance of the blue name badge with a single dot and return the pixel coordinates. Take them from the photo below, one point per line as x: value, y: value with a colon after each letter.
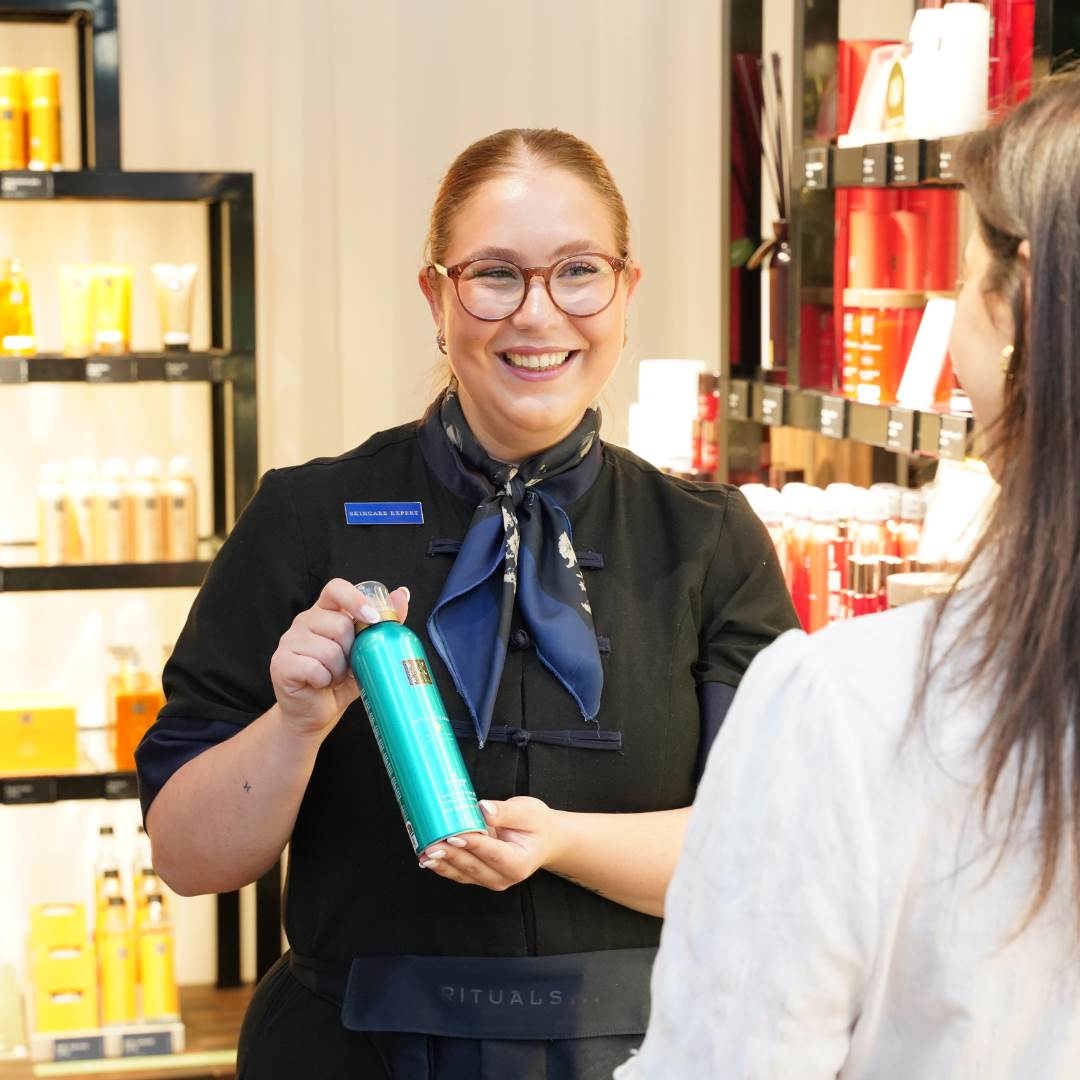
x: 384, y: 513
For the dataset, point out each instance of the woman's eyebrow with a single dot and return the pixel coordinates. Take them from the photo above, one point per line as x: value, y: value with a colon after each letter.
x: 510, y: 255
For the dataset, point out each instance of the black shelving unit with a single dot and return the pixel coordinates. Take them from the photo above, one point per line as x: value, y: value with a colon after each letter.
x: 818, y: 170
x: 228, y: 368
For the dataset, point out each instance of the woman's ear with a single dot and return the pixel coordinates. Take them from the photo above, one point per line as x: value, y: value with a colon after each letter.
x: 633, y: 277
x: 429, y: 286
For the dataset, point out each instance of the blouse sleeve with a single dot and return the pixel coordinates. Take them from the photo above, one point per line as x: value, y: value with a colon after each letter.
x: 771, y: 917
x: 218, y: 677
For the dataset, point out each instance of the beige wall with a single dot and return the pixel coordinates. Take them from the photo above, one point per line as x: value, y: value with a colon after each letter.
x: 348, y: 112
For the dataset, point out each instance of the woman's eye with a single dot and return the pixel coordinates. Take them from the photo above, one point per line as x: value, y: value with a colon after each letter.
x: 495, y: 273
x: 577, y: 269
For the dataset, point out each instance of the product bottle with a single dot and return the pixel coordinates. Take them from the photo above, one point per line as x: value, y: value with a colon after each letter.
x: 112, y: 514
x: 135, y: 698
x: 107, y: 881
x: 43, y: 118
x: 893, y: 494
x: 411, y: 728
x: 160, y: 1000
x: 871, y: 539
x: 117, y: 964
x: 111, y: 300
x: 147, y: 515
x: 12, y: 120
x: 823, y: 570
x: 912, y: 514
x: 16, y: 318
x: 866, y: 591
x: 181, y: 534
x: 83, y: 495
x: 54, y: 527
x: 797, y: 527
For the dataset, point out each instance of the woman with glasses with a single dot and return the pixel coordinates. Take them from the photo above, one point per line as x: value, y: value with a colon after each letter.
x: 587, y: 618
x: 880, y: 876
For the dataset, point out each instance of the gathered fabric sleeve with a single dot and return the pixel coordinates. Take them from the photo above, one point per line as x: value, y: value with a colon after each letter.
x: 745, y: 607
x: 772, y: 915
x: 218, y: 677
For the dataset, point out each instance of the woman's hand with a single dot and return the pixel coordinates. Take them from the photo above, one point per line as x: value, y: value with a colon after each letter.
x: 523, y: 836
x: 310, y: 669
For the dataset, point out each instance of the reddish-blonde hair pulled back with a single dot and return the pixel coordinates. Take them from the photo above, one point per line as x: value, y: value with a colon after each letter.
x: 507, y: 150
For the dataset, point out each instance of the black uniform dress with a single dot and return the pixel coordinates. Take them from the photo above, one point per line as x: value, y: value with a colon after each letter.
x: 393, y: 971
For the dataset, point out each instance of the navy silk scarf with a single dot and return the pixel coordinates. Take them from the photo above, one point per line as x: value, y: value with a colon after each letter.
x: 518, y: 549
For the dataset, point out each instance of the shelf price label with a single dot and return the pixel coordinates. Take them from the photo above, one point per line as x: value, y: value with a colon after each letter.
x: 14, y: 369
x: 952, y: 438
x: 906, y: 162
x: 121, y: 786
x: 738, y: 400
x: 772, y: 406
x: 111, y: 369
x: 28, y: 789
x: 27, y: 185
x: 875, y: 165
x: 816, y: 168
x: 832, y: 417
x: 900, y: 434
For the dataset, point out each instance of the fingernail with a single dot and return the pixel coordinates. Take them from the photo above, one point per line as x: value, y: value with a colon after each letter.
x: 457, y: 841
x: 488, y: 808
x: 369, y: 614
x: 405, y: 590
x: 438, y: 853
x: 427, y: 864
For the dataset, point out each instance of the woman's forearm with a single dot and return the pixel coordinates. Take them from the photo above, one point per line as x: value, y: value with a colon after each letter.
x: 223, y: 819
x: 628, y: 858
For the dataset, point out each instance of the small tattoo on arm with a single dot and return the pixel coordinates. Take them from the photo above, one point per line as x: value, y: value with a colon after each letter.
x: 247, y: 786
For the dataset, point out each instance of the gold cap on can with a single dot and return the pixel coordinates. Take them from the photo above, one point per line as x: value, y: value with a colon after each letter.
x: 378, y: 595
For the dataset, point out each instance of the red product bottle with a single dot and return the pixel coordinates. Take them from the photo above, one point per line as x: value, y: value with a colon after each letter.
x: 871, y: 536
x: 893, y: 495
x: 797, y: 527
x: 823, y: 568
x: 865, y: 573
x: 912, y: 515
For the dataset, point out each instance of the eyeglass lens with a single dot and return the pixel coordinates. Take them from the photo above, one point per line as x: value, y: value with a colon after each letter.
x: 580, y: 285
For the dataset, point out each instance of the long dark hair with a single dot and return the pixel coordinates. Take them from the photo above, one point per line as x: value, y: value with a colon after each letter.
x: 1023, y: 175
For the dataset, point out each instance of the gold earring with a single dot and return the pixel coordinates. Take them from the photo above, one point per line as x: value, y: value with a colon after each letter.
x: 440, y: 340
x: 1006, y: 360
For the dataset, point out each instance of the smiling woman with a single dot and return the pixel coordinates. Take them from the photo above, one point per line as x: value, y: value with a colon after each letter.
x: 586, y: 638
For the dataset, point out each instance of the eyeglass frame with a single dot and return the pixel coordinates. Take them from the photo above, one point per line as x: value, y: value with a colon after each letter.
x: 453, y: 274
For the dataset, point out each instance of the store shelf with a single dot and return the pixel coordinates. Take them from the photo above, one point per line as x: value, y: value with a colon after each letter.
x: 905, y: 431
x: 212, y: 1018
x: 18, y: 573
x: 215, y: 366
x: 65, y: 787
x: 126, y: 186
x: 903, y: 163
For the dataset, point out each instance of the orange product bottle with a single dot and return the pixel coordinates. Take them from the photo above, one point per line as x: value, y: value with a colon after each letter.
x: 135, y: 698
x: 16, y: 315
x: 823, y: 569
x: 12, y: 120
x: 893, y: 494
x: 797, y: 528
x: 43, y: 118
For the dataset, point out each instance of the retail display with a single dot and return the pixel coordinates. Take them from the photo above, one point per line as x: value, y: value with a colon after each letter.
x: 839, y: 546
x: 16, y: 317
x: 175, y: 290
x: 37, y: 733
x: 111, y: 515
x: 30, y: 119
x: 416, y: 741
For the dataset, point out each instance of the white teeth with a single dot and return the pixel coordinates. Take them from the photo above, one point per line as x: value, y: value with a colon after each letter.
x: 537, y: 362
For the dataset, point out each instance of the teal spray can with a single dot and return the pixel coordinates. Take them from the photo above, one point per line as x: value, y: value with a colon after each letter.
x: 411, y: 728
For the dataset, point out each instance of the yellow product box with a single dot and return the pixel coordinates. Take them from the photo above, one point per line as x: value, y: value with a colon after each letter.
x: 37, y: 734
x: 63, y: 967
x: 66, y: 1010
x: 57, y: 926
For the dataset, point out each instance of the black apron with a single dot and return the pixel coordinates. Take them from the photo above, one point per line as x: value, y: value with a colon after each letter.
x: 570, y: 1017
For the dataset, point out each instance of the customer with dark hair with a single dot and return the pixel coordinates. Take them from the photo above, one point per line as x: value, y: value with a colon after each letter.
x: 880, y: 874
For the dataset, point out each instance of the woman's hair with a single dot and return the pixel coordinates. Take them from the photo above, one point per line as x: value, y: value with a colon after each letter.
x: 1023, y: 175
x: 507, y: 150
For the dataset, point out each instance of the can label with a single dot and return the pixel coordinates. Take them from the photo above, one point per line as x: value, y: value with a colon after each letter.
x: 416, y: 671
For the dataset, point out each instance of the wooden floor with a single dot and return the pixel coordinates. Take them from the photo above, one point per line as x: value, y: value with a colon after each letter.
x: 212, y: 1018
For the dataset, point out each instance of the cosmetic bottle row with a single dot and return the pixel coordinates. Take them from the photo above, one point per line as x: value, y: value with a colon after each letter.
x: 95, y: 308
x: 122, y: 973
x: 114, y: 515
x: 30, y: 119
x: 838, y: 546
